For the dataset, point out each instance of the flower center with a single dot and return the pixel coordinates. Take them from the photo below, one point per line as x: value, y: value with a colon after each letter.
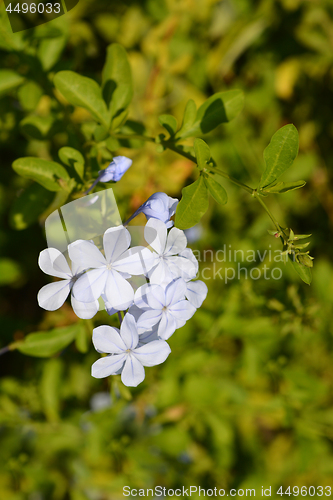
x: 109, y: 267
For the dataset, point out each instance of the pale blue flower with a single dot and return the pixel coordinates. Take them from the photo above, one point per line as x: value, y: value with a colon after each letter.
x: 158, y: 206
x: 126, y: 355
x: 165, y: 306
x: 114, y: 172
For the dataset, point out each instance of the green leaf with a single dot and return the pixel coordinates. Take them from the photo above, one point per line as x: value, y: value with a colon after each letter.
x: 49, y: 174
x: 72, y: 158
x: 217, y: 191
x: 29, y: 95
x: 188, y: 119
x: 219, y: 108
x: 29, y: 206
x: 82, y: 91
x: 279, y: 154
x: 117, y: 83
x: 283, y: 187
x: 202, y: 153
x: 45, y: 344
x: 169, y: 122
x: 39, y: 127
x: 193, y: 205
x: 10, y: 271
x: 50, y: 50
x: 303, y: 272
x: 9, y: 80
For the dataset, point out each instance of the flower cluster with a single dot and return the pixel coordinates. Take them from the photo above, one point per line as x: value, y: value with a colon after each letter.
x: 151, y: 312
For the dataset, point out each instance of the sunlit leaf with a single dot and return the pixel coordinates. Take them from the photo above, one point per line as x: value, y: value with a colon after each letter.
x: 49, y: 174
x: 117, y: 83
x: 82, y: 91
x: 9, y: 80
x: 202, y: 153
x: 216, y: 190
x: 193, y: 205
x: 279, y: 154
x: 219, y: 108
x: 169, y: 122
x: 45, y: 344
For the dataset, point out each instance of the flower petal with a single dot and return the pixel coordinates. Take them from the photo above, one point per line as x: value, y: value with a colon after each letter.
x: 84, y: 310
x: 133, y: 372
x: 52, y: 262
x: 53, y: 295
x: 148, y: 335
x: 136, y: 260
x: 182, y: 267
x: 156, y: 234
x: 86, y: 254
x: 148, y: 319
x: 196, y: 292
x: 109, y: 365
x: 90, y: 286
x: 167, y: 326
x: 175, y: 291
x: 107, y: 339
x: 154, y: 353
x: 116, y: 241
x: 118, y: 291
x: 176, y: 242
x: 140, y: 297
x: 162, y: 273
x: 129, y: 331
x: 156, y: 297
x: 182, y: 310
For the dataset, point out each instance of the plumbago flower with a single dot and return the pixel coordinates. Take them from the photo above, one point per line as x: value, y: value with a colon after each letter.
x: 171, y: 260
x: 53, y: 295
x: 152, y: 313
x: 124, y: 354
x: 164, y: 306
x: 108, y: 273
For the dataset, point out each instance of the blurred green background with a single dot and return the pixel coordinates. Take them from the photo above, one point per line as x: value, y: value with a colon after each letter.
x: 246, y: 397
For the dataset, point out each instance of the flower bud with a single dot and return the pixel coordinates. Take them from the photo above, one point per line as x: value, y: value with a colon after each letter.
x: 158, y: 206
x: 115, y: 170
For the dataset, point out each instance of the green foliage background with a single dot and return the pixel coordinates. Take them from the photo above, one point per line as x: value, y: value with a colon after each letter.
x: 245, y: 399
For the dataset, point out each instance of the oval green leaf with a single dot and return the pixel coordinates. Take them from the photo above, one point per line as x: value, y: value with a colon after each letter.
x: 46, y: 344
x: 279, y: 154
x: 284, y: 187
x: 303, y: 272
x: 193, y: 205
x: 49, y: 174
x: 217, y: 191
x: 219, y: 108
x: 82, y: 91
x: 169, y: 122
x: 9, y: 80
x: 202, y: 153
x: 72, y: 158
x: 117, y: 82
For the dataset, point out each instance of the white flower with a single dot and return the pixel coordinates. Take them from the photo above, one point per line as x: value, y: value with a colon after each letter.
x: 110, y: 272
x: 125, y: 355
x: 53, y: 295
x: 166, y: 306
x: 172, y: 258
